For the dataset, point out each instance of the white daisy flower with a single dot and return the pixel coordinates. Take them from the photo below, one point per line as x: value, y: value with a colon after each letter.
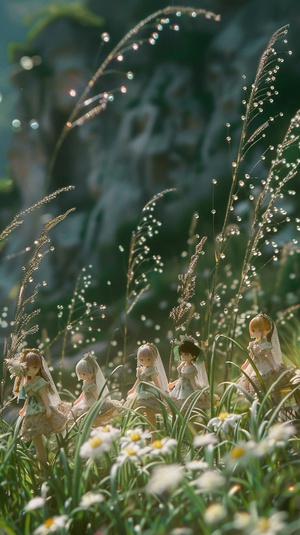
x: 269, y: 526
x: 35, y: 503
x: 195, y: 465
x: 214, y: 513
x: 224, y: 421
x: 253, y: 524
x: 51, y: 525
x: 90, y: 498
x: 94, y: 447
x: 241, y: 453
x: 210, y: 481
x: 279, y: 434
x: 106, y: 432
x: 242, y: 520
x: 136, y: 436
x: 205, y: 440
x: 162, y: 446
x: 165, y: 478
x: 131, y: 452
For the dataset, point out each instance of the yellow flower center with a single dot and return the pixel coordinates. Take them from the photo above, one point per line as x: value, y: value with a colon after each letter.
x: 237, y: 452
x: 105, y: 429
x: 223, y: 415
x: 135, y: 437
x: 264, y: 524
x: 130, y: 451
x: 95, y: 442
x: 49, y: 522
x: 157, y: 444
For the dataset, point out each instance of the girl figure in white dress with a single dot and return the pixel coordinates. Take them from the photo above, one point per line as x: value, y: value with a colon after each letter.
x: 192, y: 375
x: 93, y: 384
x: 149, y: 373
x: 265, y: 353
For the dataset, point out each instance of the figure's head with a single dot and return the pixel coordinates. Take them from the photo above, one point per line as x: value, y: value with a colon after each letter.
x: 187, y: 347
x: 84, y: 369
x: 146, y: 354
x: 260, y: 326
x: 33, y: 363
x: 35, y: 366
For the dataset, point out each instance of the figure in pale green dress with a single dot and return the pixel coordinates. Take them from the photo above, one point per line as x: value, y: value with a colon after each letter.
x: 43, y: 412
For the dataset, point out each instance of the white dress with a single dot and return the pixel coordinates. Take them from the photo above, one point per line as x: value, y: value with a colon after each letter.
x: 270, y: 369
x: 188, y: 375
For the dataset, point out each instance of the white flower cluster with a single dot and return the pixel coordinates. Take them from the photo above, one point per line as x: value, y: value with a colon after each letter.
x: 100, y: 441
x: 277, y: 436
x: 135, y: 446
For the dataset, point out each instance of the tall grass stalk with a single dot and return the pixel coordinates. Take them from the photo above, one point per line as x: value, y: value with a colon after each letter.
x: 264, y: 220
x: 131, y: 42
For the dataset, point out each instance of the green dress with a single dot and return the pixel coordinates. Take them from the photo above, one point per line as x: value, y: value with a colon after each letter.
x: 35, y: 421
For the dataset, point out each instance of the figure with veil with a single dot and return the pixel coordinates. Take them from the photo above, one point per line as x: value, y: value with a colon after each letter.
x: 93, y: 386
x: 43, y: 412
x: 265, y: 354
x: 150, y: 373
x: 192, y: 375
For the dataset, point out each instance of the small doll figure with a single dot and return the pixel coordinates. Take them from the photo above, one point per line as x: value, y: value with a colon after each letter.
x: 93, y: 383
x: 150, y: 371
x: 44, y: 413
x: 192, y: 376
x: 266, y: 354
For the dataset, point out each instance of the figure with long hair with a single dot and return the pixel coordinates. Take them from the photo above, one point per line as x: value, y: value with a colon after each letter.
x: 43, y: 412
x: 93, y: 386
x: 265, y: 354
x: 151, y: 379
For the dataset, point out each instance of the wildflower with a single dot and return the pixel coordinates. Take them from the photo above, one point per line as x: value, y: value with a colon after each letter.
x: 137, y: 436
x: 131, y: 452
x: 269, y: 526
x: 165, y: 478
x: 35, y: 503
x: 161, y: 447
x: 94, y: 447
x: 242, y: 520
x: 51, y: 525
x: 241, y: 453
x: 224, y: 421
x: 197, y: 465
x: 214, y: 513
x: 107, y: 432
x: 210, y: 480
x: 205, y: 440
x: 279, y: 434
x: 89, y: 499
x: 252, y: 524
